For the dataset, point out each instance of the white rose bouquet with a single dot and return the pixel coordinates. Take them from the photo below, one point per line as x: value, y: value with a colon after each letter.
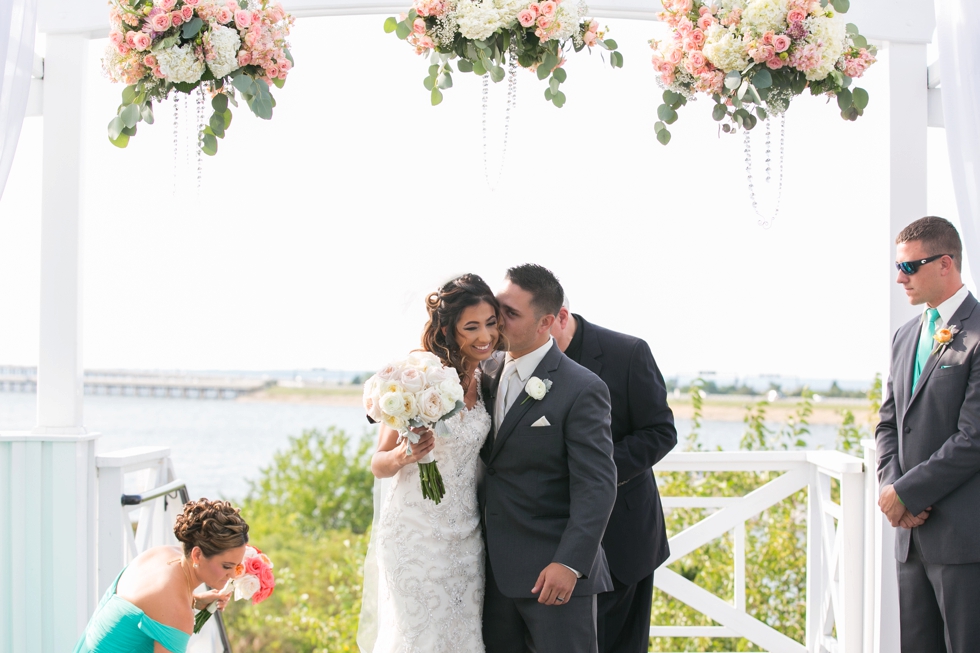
x: 416, y: 392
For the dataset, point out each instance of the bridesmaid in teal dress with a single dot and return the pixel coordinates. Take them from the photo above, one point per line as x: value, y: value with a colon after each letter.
x: 150, y: 606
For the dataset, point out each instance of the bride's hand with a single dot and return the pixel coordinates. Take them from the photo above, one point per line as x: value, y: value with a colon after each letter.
x: 203, y: 599
x: 427, y: 441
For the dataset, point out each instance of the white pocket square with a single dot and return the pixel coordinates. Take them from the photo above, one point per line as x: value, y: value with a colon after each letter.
x: 542, y: 421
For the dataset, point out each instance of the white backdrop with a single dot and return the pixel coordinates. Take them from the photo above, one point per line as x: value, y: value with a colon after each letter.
x: 17, y: 24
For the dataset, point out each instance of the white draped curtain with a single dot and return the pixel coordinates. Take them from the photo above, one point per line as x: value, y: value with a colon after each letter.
x: 958, y: 31
x: 18, y: 19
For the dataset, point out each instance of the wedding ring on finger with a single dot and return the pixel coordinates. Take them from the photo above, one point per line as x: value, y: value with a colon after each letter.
x: 559, y: 599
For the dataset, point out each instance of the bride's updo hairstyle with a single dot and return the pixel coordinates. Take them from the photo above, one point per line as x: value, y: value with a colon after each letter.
x: 445, y: 307
x: 215, y: 526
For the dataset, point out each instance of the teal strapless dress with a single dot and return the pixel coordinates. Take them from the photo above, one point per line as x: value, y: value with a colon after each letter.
x: 118, y: 626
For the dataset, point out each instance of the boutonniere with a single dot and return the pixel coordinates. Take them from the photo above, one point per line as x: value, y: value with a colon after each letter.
x: 536, y: 388
x: 943, y: 337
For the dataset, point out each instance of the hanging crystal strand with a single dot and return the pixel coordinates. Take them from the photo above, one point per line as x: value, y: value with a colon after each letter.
x: 768, y: 152
x: 766, y: 222
x: 511, y: 103
x: 200, y: 135
x: 176, y: 142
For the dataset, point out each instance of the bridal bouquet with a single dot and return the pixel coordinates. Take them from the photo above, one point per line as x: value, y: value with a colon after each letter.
x: 254, y: 581
x: 159, y: 46
x: 482, y: 34
x: 754, y: 56
x: 416, y: 392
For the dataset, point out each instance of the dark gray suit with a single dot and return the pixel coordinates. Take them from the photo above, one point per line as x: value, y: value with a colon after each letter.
x: 928, y: 444
x: 546, y: 493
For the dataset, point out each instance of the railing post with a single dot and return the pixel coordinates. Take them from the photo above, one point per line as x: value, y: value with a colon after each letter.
x: 884, y: 621
x: 111, y: 546
x: 850, y: 621
x: 815, y: 570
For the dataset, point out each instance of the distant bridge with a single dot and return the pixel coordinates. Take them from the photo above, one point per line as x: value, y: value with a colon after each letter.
x: 127, y: 383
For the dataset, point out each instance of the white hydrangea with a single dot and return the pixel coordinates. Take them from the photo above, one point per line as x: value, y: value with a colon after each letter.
x: 830, y: 33
x: 479, y: 20
x: 765, y: 15
x: 568, y: 17
x: 725, y: 49
x: 180, y: 64
x: 223, y: 43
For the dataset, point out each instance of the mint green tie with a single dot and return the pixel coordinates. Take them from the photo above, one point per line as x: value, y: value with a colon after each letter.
x: 926, y: 345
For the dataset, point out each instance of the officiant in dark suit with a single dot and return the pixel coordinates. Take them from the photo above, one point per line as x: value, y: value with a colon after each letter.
x: 928, y: 444
x: 643, y: 433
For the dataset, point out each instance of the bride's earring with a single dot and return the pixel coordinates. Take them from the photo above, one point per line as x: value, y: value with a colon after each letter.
x: 195, y: 565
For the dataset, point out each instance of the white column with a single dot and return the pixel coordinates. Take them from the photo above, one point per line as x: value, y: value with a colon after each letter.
x: 47, y: 476
x: 59, y: 383
x: 908, y: 120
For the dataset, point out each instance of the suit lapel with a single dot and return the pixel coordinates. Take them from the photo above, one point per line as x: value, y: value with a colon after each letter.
x: 961, y: 315
x: 548, y: 364
x: 489, y: 382
x: 591, y: 351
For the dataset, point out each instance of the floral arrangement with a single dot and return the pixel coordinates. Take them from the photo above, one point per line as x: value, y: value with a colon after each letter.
x: 482, y: 34
x: 411, y: 393
x: 159, y: 46
x: 754, y: 56
x: 253, y: 580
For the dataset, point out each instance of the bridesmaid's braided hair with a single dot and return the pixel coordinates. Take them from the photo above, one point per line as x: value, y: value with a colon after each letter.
x: 215, y: 526
x: 445, y: 307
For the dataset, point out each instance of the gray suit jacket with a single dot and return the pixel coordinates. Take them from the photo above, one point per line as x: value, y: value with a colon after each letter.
x: 546, y: 491
x: 929, y: 440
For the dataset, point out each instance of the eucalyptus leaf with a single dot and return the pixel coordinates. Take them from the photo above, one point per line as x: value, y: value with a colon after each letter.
x: 433, y: 70
x: 116, y: 125
x: 657, y: 126
x: 219, y: 102
x: 465, y: 66
x: 165, y: 44
x: 402, y: 30
x: 763, y: 115
x: 217, y: 124
x: 130, y: 115
x: 754, y: 94
x: 616, y: 59
x: 479, y: 69
x: 497, y: 73
x: 429, y: 83
x: 186, y: 87
x: 558, y: 99
x: 446, y: 81
x: 663, y: 136
x: 666, y: 114
x: 609, y: 44
x: 841, y: 5
x: 412, y: 15
x: 554, y: 84
x: 560, y: 75
x: 743, y: 89
x: 191, y: 28
x: 120, y: 141
x: 860, y: 98
x: 859, y: 41
x: 548, y: 94
x: 244, y: 84
x: 390, y: 24
x: 719, y: 112
x: 762, y: 78
x: 852, y: 29
x: 146, y: 112
x: 278, y: 82
x: 844, y: 99
x: 129, y: 95
x: 209, y: 145
x: 436, y: 96
x: 672, y: 98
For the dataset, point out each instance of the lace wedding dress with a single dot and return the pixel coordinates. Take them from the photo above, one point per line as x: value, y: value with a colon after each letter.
x: 430, y: 574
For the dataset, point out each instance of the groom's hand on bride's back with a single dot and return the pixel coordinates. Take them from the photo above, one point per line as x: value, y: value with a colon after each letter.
x: 556, y: 581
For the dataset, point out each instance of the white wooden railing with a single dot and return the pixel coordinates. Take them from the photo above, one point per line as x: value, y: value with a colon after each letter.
x: 836, y: 552
x: 139, y: 498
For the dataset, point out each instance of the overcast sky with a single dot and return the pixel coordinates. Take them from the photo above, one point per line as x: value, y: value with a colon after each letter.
x: 315, y: 237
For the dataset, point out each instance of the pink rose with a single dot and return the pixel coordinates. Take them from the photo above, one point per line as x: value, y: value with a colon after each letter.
x: 168, y: 5
x: 767, y: 37
x: 698, y: 37
x: 706, y: 21
x: 177, y: 18
x: 224, y: 15
x: 526, y: 18
x: 594, y: 27
x: 150, y: 61
x: 256, y: 17
x: 674, y: 55
x: 285, y: 66
x: 142, y: 41
x: 160, y: 22
x: 192, y: 3
x: 544, y: 22
x: 116, y: 38
x: 589, y: 38
x: 548, y: 8
x: 158, y: 73
x: 775, y: 63
x: 272, y: 71
x: 684, y: 27
x: 667, y: 77
x: 697, y: 59
x: 781, y: 43
x: 244, y: 58
x: 122, y: 48
x: 418, y: 26
x: 684, y: 6
x: 243, y: 19
x: 426, y: 42
x: 535, y: 9
x: 129, y: 38
x: 796, y: 16
x: 705, y: 10
x: 187, y: 12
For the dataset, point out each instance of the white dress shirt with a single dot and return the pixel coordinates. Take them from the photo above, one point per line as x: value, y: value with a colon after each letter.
x: 946, y: 311
x: 526, y: 365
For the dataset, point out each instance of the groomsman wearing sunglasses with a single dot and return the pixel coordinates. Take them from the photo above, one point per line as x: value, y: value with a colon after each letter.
x: 643, y: 433
x: 929, y: 446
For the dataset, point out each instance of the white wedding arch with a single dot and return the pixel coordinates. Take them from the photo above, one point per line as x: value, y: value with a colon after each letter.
x: 50, y: 510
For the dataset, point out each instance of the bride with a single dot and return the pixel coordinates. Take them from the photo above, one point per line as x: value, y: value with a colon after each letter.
x: 429, y: 566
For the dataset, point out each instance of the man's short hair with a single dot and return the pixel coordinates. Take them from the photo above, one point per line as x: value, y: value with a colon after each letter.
x: 546, y: 291
x: 937, y: 235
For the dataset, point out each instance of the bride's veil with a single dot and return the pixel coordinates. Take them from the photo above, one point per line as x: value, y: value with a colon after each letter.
x: 367, y: 628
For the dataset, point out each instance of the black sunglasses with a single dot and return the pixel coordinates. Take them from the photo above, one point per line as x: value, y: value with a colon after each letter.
x: 911, y: 267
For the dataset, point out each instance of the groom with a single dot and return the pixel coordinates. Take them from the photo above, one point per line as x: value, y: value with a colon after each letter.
x: 547, y: 481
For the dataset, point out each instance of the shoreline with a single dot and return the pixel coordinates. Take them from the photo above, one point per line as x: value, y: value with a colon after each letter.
x: 718, y: 408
